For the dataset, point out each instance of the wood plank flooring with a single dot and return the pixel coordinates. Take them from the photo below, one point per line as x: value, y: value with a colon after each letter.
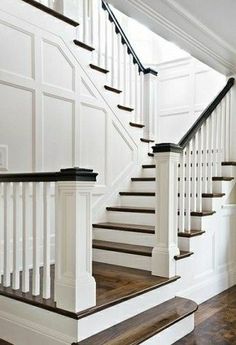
x: 215, y: 321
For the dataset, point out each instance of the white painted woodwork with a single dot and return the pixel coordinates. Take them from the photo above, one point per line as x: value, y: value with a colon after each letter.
x: 166, y: 244
x: 46, y: 240
x: 26, y: 230
x: 73, y: 262
x: 16, y: 235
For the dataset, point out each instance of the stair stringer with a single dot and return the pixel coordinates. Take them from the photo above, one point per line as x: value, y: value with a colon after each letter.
x: 46, y: 29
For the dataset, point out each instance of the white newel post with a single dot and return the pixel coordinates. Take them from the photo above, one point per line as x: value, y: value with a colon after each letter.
x: 232, y: 109
x: 166, y: 227
x: 150, y: 104
x: 75, y: 287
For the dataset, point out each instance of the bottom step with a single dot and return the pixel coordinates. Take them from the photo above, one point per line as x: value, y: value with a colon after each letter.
x: 149, y: 325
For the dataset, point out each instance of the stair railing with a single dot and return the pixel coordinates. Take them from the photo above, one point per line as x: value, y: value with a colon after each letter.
x: 184, y: 172
x: 112, y: 51
x: 46, y: 227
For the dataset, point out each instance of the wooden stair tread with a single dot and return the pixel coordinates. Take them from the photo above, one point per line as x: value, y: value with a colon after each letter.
x: 145, y: 325
x: 137, y: 193
x: 213, y: 195
x: 125, y: 108
x: 222, y: 178
x: 150, y: 154
x: 183, y: 254
x: 149, y: 166
x: 202, y: 214
x: 123, y: 248
x: 114, y: 284
x: 148, y: 229
x: 147, y: 140
x: 192, y: 233
x: 83, y: 45
x: 146, y: 179
x: 112, y: 89
x: 228, y: 163
x: 99, y: 69
x: 52, y: 12
x: 138, y: 125
x: 132, y: 209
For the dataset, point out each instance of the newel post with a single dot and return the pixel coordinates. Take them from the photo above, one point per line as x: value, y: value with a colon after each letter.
x: 150, y: 103
x: 166, y: 158
x: 75, y: 287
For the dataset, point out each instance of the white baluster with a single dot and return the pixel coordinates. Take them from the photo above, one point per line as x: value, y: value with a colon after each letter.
x: 215, y: 141
x: 8, y: 213
x: 136, y: 92
x: 37, y: 217
x: 227, y: 126
x: 182, y: 192
x: 99, y: 33
x: 199, y: 171
x: 204, y: 157
x: 27, y: 226
x: 1, y: 227
x: 91, y: 21
x: 210, y: 156
x: 124, y: 73
x: 220, y: 155
x: 106, y: 49
x: 223, y: 126
x: 113, y: 54
x: 188, y: 189
x: 17, y: 212
x: 119, y: 62
x: 46, y: 240
x: 85, y: 21
x: 141, y: 96
x: 194, y: 175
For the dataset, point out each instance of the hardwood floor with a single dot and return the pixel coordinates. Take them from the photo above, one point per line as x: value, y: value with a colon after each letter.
x: 215, y: 321
x: 2, y: 342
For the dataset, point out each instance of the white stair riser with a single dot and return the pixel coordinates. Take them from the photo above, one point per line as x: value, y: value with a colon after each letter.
x: 222, y: 186
x: 212, y: 204
x: 127, y: 237
x: 143, y: 186
x: 139, y: 201
x: 122, y: 259
x: 173, y: 333
x: 150, y: 172
x: 131, y: 218
x: 201, y: 223
x: 228, y: 171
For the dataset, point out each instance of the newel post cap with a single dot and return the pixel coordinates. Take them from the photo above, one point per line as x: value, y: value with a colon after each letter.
x: 77, y: 174
x: 167, y: 147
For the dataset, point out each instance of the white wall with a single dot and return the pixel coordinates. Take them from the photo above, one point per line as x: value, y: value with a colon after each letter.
x: 186, y: 87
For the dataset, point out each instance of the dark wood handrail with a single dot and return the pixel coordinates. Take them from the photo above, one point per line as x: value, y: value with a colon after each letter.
x: 71, y: 174
x: 125, y: 40
x: 206, y: 113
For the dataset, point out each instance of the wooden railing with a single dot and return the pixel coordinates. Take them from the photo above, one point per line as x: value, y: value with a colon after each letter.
x: 185, y: 173
x: 40, y: 213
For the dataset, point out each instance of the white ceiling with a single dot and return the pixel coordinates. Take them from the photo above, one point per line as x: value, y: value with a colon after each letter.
x: 204, y: 28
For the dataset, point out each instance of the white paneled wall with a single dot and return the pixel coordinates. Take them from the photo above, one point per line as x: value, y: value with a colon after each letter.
x: 186, y: 87
x: 52, y: 115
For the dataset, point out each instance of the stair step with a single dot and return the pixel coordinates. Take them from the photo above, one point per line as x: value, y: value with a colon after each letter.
x: 83, y: 45
x: 192, y: 233
x: 222, y: 178
x: 138, y: 125
x: 52, y: 12
x: 131, y: 209
x: 123, y: 248
x: 183, y: 254
x: 112, y: 89
x: 144, y: 179
x: 150, y: 154
x: 99, y: 69
x: 231, y: 163
x: 137, y: 193
x: 147, y: 140
x: 202, y: 214
x: 147, y: 229
x: 145, y: 325
x: 123, y: 107
x: 213, y: 195
x: 149, y: 166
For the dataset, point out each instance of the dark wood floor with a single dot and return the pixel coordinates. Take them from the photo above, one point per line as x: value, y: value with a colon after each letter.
x: 215, y: 321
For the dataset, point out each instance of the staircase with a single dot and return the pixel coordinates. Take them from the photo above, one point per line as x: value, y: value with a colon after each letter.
x: 137, y: 277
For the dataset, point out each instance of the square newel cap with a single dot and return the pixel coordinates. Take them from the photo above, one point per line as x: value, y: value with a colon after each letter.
x: 77, y: 174
x: 167, y: 147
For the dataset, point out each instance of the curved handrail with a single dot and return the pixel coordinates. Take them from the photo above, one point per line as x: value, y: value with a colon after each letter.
x: 125, y: 40
x: 206, y: 113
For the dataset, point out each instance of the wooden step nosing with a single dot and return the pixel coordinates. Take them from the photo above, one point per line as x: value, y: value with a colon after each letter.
x: 231, y: 163
x: 125, y: 108
x: 183, y: 256
x: 123, y: 228
x: 190, y: 235
x: 112, y: 89
x: 131, y: 210
x: 123, y: 250
x: 98, y: 68
x: 212, y: 195
x: 202, y: 214
x: 143, y: 179
x: 83, y: 45
x: 138, y: 125
x: 222, y: 178
x: 143, y: 194
x: 149, y: 166
x: 147, y: 140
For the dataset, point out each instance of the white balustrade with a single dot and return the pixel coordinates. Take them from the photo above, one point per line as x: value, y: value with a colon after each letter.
x: 33, y: 220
